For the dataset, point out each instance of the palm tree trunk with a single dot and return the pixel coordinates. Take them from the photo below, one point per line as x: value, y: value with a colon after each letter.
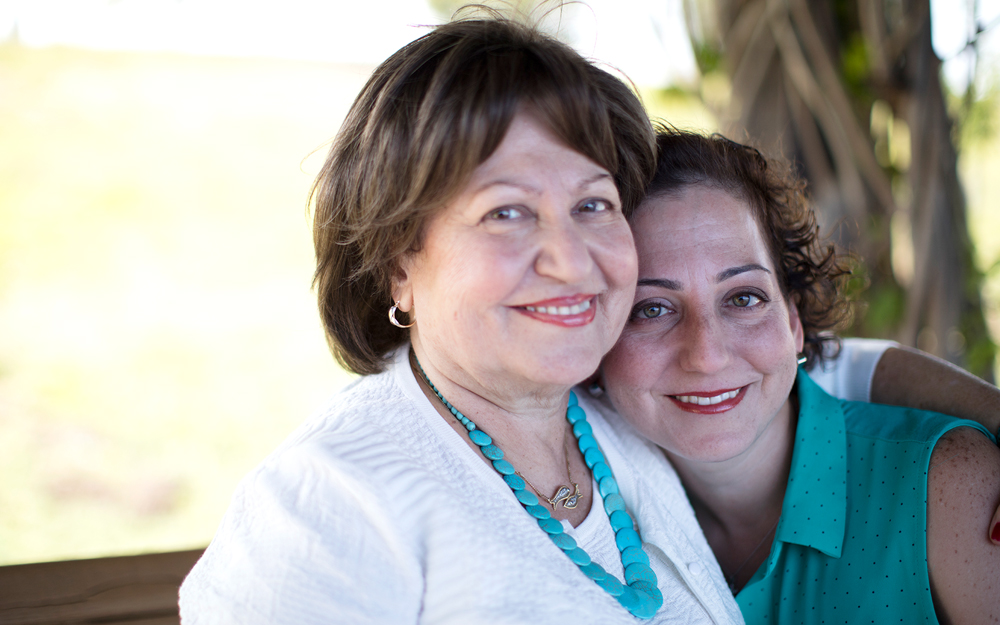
x: 794, y: 94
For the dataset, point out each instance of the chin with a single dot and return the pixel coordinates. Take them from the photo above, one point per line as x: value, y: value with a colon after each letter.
x: 567, y: 371
x: 576, y: 357
x: 711, y: 447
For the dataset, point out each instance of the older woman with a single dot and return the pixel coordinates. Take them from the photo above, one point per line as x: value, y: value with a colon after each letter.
x: 818, y: 510
x: 474, y: 263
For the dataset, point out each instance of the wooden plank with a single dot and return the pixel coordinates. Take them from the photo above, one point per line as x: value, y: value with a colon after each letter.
x: 137, y: 590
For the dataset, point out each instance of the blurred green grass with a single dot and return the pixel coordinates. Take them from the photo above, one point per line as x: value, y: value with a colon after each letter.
x: 158, y: 336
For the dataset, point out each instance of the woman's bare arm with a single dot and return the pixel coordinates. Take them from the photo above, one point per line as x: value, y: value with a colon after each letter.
x: 907, y: 377
x: 963, y: 491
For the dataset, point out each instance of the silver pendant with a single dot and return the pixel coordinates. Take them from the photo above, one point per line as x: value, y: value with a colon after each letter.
x: 567, y: 497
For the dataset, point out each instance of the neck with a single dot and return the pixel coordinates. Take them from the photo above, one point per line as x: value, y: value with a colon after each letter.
x: 490, y: 387
x: 537, y: 413
x: 532, y: 432
x: 738, y: 501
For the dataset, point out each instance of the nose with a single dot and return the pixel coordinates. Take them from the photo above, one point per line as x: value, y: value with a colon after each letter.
x: 703, y: 346
x: 564, y: 253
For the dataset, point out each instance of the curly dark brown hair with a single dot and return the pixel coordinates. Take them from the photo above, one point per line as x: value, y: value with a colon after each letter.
x: 810, y: 270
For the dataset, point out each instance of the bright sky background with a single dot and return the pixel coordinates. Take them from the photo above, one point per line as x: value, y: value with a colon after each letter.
x: 643, y: 38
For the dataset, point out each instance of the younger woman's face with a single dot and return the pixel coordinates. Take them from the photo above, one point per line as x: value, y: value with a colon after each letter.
x: 708, y: 355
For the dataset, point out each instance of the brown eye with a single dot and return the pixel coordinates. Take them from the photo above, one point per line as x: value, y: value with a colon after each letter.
x: 595, y: 206
x: 650, y: 311
x: 743, y: 300
x: 504, y: 214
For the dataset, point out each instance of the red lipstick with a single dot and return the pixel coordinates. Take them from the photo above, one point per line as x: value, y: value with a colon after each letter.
x: 696, y: 402
x: 570, y: 312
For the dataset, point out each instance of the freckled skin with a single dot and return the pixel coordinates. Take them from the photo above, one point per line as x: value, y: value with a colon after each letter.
x: 702, y: 341
x: 709, y: 317
x: 687, y: 337
x: 963, y: 492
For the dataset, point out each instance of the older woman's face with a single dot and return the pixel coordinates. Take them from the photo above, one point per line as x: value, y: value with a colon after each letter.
x: 529, y: 273
x: 708, y: 356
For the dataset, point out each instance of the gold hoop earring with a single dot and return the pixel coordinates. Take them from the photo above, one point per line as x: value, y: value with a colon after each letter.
x: 392, y: 317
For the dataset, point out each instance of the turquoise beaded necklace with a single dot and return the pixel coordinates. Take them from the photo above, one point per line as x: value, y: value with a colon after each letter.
x: 641, y: 596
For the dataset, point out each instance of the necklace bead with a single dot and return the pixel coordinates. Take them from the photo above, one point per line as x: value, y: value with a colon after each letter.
x: 526, y: 498
x: 480, y: 438
x: 537, y: 511
x: 634, y: 554
x: 641, y: 596
x: 516, y: 482
x: 503, y: 467
x: 491, y: 451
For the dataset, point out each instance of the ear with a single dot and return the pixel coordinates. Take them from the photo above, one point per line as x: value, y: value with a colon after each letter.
x: 402, y: 285
x: 796, y: 326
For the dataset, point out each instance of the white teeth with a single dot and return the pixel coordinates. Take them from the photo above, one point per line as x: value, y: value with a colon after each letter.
x: 707, y: 401
x: 576, y: 309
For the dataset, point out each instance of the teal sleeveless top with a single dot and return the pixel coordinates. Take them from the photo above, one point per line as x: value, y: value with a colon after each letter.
x: 851, y: 544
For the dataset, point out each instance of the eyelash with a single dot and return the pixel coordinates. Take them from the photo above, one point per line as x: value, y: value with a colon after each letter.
x: 663, y: 309
x: 637, y: 311
x: 760, y: 297
x: 496, y: 214
x: 607, y: 206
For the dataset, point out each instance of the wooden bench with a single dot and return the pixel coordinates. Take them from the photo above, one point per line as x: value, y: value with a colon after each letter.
x: 137, y: 590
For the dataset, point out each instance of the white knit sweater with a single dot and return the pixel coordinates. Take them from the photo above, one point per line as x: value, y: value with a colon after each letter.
x: 376, y: 511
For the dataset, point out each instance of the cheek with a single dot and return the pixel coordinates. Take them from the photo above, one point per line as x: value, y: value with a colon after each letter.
x: 628, y: 369
x: 622, y: 258
x: 770, y: 345
x: 472, y: 269
x: 632, y: 373
x: 620, y: 266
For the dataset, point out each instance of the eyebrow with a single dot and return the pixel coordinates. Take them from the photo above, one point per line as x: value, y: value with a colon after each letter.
x: 735, y: 271
x: 674, y: 285
x: 504, y: 182
x: 670, y: 285
x: 601, y: 175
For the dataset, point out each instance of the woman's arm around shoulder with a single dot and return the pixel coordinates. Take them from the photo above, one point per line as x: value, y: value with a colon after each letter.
x: 912, y: 378
x: 963, y: 492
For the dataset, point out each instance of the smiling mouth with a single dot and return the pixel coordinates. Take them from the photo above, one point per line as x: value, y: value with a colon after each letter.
x: 706, y: 401
x: 564, y: 311
x: 710, y: 403
x: 569, y: 312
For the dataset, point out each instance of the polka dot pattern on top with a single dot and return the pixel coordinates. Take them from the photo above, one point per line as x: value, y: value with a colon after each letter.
x: 851, y: 545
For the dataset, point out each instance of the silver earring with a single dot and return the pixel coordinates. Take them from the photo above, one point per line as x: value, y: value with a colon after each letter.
x: 802, y: 359
x: 595, y: 389
x: 392, y: 317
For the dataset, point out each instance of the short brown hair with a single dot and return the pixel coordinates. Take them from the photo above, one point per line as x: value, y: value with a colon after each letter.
x: 428, y: 116
x: 810, y: 271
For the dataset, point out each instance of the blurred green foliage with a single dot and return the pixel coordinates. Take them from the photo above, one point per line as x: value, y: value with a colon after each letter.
x: 159, y: 336
x: 708, y: 57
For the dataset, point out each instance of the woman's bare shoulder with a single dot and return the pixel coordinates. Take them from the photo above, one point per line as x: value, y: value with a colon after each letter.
x: 963, y: 492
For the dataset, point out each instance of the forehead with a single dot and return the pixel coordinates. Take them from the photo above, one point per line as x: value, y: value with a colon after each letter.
x: 531, y: 150
x: 702, y: 223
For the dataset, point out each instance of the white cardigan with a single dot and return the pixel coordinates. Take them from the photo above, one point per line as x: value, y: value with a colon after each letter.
x: 376, y: 511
